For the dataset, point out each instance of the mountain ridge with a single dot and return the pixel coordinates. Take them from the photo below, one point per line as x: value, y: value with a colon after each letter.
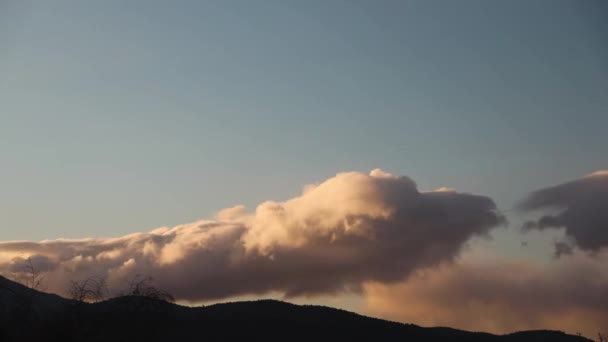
x: 27, y: 314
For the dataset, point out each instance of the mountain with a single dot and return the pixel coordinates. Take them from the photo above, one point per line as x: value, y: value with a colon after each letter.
x: 19, y: 302
x: 29, y: 315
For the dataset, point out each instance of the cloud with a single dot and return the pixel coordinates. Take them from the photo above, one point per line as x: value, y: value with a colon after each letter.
x: 351, y: 229
x: 579, y: 206
x: 482, y: 294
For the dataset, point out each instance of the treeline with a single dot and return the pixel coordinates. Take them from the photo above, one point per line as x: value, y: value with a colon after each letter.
x: 92, y: 289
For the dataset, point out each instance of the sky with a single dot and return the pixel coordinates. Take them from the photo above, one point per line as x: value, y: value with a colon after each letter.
x: 121, y: 117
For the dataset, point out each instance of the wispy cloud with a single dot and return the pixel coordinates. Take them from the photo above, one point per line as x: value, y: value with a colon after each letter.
x: 485, y: 294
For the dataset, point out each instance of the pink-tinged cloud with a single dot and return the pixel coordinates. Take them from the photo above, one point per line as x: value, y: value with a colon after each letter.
x: 501, y: 297
x: 579, y: 206
x: 351, y: 229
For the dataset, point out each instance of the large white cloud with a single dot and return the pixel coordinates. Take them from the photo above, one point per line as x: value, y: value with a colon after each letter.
x: 350, y: 229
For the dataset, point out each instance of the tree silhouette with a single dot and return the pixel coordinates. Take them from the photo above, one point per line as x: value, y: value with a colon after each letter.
x: 143, y: 286
x: 90, y: 290
x: 28, y: 275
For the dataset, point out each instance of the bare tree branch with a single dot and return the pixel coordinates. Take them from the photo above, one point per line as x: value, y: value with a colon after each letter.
x: 28, y: 275
x: 90, y: 290
x: 143, y: 286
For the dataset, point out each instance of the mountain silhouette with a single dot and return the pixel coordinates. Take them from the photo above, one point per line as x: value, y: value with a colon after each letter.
x: 29, y: 315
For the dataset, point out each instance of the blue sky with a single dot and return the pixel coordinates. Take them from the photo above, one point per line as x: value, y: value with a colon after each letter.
x: 124, y: 116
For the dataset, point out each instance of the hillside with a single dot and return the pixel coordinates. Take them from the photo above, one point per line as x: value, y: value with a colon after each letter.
x: 26, y: 314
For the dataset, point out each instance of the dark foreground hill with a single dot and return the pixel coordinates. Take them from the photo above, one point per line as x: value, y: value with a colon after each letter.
x: 28, y: 315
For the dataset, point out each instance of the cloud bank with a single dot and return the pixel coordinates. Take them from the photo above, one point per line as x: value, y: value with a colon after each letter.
x: 480, y: 292
x: 351, y: 229
x: 484, y: 294
x: 579, y: 206
x: 376, y: 234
